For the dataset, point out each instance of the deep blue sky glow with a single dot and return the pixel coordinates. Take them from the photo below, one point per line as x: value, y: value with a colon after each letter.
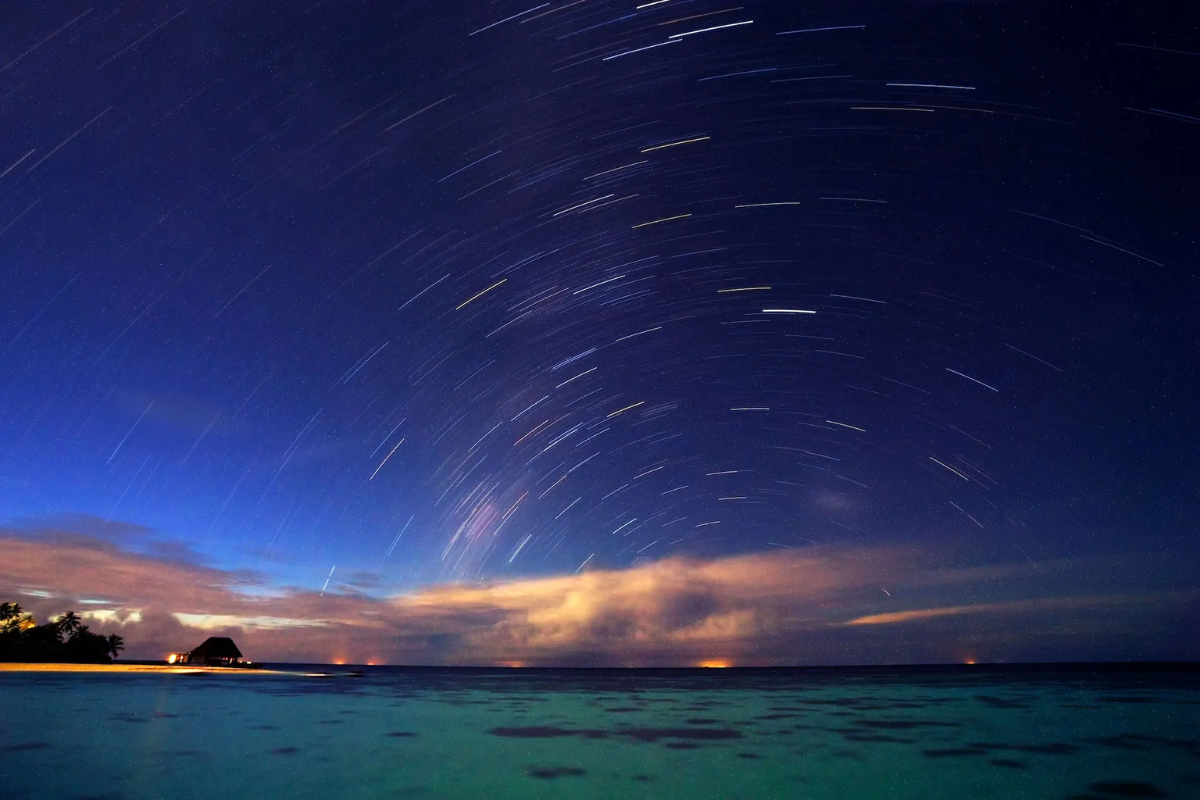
x: 286, y: 281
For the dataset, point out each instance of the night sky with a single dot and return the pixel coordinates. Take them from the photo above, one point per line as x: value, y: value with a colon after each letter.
x: 380, y: 302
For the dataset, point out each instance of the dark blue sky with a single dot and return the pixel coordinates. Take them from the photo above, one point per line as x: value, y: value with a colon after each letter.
x: 452, y: 291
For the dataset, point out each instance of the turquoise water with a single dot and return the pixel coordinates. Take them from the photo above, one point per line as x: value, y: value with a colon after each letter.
x: 914, y: 733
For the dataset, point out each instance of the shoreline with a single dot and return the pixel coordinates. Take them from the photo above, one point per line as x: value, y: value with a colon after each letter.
x: 332, y: 670
x: 21, y: 666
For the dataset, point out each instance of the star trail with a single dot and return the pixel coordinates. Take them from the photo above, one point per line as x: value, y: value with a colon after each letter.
x: 369, y: 297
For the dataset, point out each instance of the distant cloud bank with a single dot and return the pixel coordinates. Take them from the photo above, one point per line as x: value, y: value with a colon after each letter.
x: 797, y: 606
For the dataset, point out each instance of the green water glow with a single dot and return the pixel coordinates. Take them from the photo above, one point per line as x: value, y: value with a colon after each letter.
x: 923, y: 734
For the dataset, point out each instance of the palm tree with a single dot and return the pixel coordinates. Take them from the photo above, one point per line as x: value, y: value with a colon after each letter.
x: 22, y: 639
x: 115, y: 644
x: 9, y: 611
x: 10, y: 617
x: 69, y: 623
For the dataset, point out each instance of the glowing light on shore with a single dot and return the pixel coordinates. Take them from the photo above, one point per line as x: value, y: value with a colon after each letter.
x: 715, y: 663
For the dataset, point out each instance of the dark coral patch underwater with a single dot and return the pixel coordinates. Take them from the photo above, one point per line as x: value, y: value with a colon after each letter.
x: 549, y: 773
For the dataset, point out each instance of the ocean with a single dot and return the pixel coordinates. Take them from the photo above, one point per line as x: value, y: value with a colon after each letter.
x: 900, y: 733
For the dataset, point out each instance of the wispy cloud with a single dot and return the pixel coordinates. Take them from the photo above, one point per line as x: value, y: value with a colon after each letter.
x: 823, y: 606
x: 1022, y: 606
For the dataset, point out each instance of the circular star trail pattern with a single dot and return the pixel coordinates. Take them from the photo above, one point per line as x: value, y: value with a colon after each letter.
x: 453, y: 291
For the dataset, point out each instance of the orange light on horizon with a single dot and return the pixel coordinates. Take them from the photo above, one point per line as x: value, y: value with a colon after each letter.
x: 715, y: 663
x: 513, y: 664
x: 340, y: 662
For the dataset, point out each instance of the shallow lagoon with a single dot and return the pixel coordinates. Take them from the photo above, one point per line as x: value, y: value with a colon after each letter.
x: 920, y: 733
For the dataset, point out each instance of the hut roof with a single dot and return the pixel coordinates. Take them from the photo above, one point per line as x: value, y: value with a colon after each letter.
x: 217, y: 647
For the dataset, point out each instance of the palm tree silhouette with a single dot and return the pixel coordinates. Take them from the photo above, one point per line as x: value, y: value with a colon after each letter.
x: 115, y: 644
x: 10, y: 616
x: 22, y: 639
x: 10, y: 610
x: 69, y: 623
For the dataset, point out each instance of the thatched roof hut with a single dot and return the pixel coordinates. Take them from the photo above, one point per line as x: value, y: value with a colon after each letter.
x: 217, y: 651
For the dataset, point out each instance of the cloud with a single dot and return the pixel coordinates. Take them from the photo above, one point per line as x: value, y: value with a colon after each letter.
x: 797, y: 606
x: 1014, y: 607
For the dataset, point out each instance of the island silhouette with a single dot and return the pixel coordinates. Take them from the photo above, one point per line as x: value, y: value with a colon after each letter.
x: 62, y: 640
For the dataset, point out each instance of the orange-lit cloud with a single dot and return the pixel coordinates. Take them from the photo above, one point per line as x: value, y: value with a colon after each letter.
x: 1017, y: 606
x: 783, y: 607
x: 893, y: 617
